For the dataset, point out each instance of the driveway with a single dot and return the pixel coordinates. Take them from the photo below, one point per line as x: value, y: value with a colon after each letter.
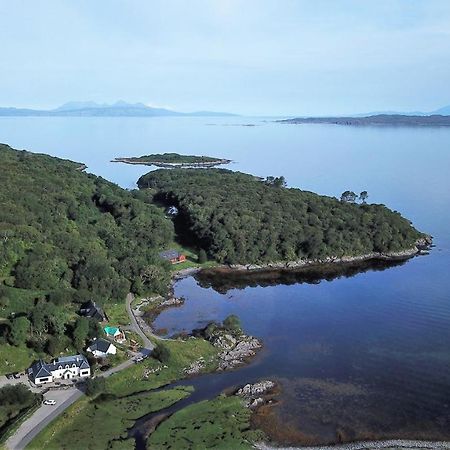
x: 12, y: 381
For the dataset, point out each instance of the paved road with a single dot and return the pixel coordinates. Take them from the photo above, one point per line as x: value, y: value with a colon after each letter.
x: 135, y: 325
x: 31, y: 427
x: 43, y: 416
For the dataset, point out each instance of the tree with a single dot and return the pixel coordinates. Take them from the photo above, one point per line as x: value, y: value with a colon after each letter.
x: 161, y: 352
x: 348, y: 196
x: 233, y: 324
x: 80, y: 332
x: 95, y: 386
x: 363, y: 196
x: 202, y: 257
x: 4, y: 301
x: 20, y: 327
x: 56, y: 345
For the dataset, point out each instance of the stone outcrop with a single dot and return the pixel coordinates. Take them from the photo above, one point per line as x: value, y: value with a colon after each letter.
x: 253, y: 394
x: 235, y: 350
x: 195, y: 367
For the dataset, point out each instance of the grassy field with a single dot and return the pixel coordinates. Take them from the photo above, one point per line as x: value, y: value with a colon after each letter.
x: 117, y: 313
x: 102, y: 423
x: 222, y: 423
x: 15, y: 359
x: 191, y: 259
x: 182, y: 353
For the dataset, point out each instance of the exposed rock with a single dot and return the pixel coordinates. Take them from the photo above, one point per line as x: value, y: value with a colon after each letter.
x: 421, y: 244
x: 244, y: 348
x: 171, y: 301
x: 150, y: 371
x: 253, y: 394
x: 195, y: 367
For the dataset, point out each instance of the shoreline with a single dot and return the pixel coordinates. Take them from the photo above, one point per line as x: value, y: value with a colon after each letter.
x: 421, y: 246
x: 367, y: 445
x: 168, y: 165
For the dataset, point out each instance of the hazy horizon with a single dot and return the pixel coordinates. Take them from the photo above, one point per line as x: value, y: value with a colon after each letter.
x: 246, y: 57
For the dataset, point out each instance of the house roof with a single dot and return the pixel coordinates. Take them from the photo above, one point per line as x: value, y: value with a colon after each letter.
x: 91, y: 309
x: 101, y: 345
x: 111, y: 331
x: 42, y: 369
x: 170, y: 254
x: 39, y: 370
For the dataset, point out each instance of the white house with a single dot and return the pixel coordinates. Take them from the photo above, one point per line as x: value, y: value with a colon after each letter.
x: 63, y: 368
x: 101, y: 348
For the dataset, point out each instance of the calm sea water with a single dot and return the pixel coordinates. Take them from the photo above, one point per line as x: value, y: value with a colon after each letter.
x: 358, y: 357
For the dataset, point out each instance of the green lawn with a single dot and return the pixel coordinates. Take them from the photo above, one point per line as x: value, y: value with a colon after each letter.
x: 222, y: 423
x: 102, y: 424
x: 15, y: 359
x: 117, y: 313
x: 192, y: 259
x: 182, y: 353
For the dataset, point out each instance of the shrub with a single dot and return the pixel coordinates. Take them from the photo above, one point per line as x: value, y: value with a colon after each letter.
x: 95, y: 386
x: 233, y: 323
x: 161, y: 352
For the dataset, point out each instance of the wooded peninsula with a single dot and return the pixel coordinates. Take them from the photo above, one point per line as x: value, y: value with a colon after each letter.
x: 241, y: 219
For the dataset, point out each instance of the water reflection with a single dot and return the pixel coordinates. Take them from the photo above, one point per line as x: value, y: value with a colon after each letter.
x: 224, y: 280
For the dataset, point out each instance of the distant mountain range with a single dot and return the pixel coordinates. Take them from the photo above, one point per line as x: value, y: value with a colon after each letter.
x: 93, y: 109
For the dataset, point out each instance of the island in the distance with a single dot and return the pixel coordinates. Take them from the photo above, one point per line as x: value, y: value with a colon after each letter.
x: 172, y: 160
x: 434, y: 120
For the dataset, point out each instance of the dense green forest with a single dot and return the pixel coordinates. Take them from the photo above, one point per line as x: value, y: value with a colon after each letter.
x: 61, y: 228
x: 171, y: 159
x: 66, y: 237
x: 239, y: 218
x: 174, y: 158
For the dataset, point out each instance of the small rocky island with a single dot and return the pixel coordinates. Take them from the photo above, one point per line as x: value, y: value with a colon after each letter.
x: 173, y: 160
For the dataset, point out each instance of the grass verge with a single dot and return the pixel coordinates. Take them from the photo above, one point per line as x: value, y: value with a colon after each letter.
x: 221, y: 423
x: 102, y: 423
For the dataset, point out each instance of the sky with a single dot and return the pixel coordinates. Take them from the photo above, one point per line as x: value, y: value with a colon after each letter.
x: 252, y: 57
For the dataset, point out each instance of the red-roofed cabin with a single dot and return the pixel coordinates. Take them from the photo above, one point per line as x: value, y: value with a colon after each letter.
x: 173, y: 256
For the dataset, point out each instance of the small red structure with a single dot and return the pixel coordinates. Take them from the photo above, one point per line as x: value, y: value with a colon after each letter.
x: 173, y: 256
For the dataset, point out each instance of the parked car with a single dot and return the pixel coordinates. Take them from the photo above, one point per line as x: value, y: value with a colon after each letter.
x: 9, y: 376
x: 50, y: 402
x: 16, y: 375
x: 139, y: 359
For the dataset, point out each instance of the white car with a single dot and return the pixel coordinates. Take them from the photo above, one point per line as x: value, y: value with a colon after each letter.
x: 50, y: 402
x: 139, y: 359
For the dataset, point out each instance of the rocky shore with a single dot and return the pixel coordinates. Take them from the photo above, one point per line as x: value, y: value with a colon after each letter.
x: 235, y: 351
x: 420, y: 246
x: 394, y: 444
x: 254, y: 395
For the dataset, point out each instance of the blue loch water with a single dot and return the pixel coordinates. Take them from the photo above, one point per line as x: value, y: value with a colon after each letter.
x: 360, y: 355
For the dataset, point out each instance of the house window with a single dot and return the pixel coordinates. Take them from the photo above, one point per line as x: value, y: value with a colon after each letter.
x: 67, y: 366
x: 84, y: 372
x: 43, y: 380
x: 74, y: 365
x: 59, y: 367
